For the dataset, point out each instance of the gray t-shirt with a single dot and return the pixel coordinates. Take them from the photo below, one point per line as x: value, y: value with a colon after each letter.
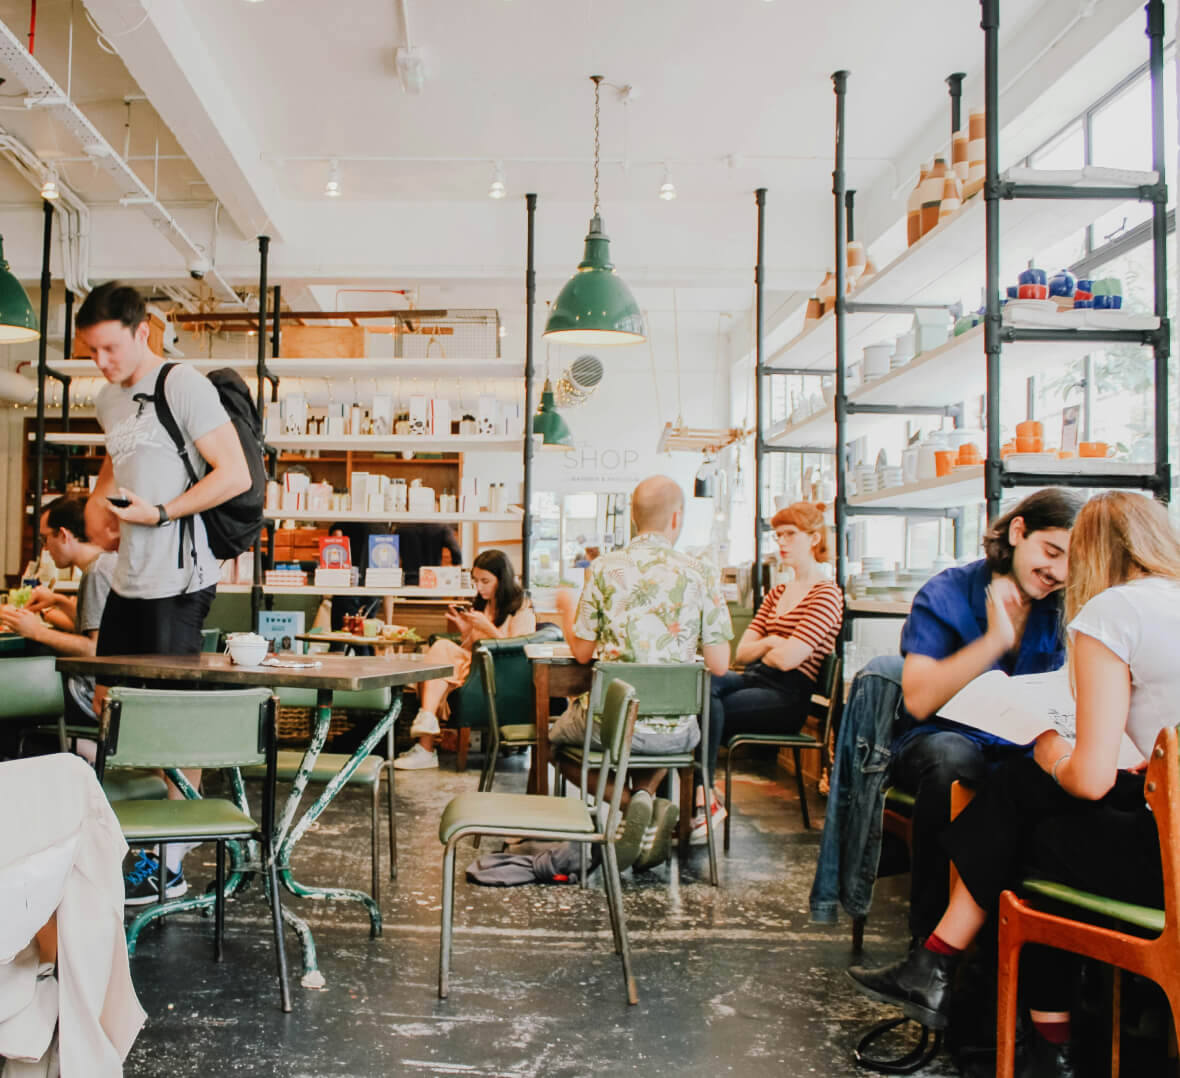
x: 93, y: 589
x: 154, y: 562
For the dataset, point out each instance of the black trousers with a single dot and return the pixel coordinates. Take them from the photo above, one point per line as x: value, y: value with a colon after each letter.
x: 1022, y: 825
x: 741, y: 704
x: 168, y: 626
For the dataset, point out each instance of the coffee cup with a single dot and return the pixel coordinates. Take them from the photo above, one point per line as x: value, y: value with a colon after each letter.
x: 1033, y: 291
x: 1029, y: 445
x: 944, y: 461
x: 1033, y: 275
x: 246, y: 649
x: 1030, y: 428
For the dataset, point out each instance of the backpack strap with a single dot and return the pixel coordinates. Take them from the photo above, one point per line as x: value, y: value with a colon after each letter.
x: 168, y: 422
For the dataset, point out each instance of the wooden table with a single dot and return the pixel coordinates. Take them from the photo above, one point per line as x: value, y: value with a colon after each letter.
x: 379, y: 643
x: 333, y: 673
x: 555, y: 673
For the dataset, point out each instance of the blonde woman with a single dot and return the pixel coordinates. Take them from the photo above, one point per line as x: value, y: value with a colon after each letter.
x: 1062, y: 812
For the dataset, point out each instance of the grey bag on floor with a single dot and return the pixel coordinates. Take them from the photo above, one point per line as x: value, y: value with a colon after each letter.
x: 559, y: 863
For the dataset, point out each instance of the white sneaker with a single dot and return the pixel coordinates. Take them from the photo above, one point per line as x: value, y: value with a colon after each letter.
x: 416, y: 759
x: 699, y: 835
x: 425, y: 722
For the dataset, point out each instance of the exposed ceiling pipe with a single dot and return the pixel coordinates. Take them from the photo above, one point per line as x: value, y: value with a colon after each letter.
x: 47, y: 94
x: 72, y: 213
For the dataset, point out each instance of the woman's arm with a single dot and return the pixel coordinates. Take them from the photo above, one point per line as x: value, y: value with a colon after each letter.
x: 752, y: 646
x: 1104, y: 702
x: 820, y: 614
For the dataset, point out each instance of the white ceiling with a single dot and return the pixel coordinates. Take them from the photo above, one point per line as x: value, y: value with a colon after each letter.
x: 731, y: 96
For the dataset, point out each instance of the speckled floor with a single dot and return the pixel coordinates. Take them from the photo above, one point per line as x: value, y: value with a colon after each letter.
x: 733, y: 980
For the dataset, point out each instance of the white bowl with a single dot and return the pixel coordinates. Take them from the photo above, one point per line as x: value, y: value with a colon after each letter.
x: 247, y: 652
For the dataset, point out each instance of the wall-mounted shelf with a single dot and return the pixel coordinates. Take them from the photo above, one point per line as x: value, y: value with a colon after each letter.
x: 347, y: 516
x: 963, y: 485
x: 368, y: 443
x: 426, y: 369
x: 878, y: 608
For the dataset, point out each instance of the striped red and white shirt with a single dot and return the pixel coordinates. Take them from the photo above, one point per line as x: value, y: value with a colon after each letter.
x: 815, y: 619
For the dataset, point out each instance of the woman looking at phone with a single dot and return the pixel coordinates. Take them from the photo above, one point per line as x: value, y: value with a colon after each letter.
x: 499, y: 610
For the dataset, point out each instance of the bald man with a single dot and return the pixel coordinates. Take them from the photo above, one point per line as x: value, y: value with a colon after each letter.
x: 647, y: 603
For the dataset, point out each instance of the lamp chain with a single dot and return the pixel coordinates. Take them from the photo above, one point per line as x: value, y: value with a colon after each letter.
x: 597, y: 80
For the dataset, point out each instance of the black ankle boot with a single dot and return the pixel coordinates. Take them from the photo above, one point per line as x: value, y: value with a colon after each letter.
x: 919, y: 985
x: 1048, y: 1060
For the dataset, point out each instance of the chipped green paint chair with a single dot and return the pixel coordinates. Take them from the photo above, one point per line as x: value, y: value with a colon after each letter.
x: 554, y: 819
x: 512, y: 735
x: 1149, y: 945
x: 663, y: 689
x: 33, y: 695
x: 173, y: 729
x: 825, y: 697
x: 367, y: 775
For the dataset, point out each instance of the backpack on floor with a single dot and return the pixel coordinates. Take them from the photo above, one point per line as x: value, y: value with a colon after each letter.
x: 233, y: 526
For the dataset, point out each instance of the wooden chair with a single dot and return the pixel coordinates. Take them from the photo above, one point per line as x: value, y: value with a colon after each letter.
x: 1151, y: 949
x: 826, y: 697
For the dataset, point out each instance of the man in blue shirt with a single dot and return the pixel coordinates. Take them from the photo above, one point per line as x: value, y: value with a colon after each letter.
x: 1002, y: 612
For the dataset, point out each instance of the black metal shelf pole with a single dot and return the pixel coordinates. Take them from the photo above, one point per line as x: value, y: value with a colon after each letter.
x: 1159, y: 238
x: 263, y: 253
x: 759, y: 445
x: 954, y: 84
x: 530, y: 299
x: 42, y: 373
x: 840, y: 401
x: 991, y: 194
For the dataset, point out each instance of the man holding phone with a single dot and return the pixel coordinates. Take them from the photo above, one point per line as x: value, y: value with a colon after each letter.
x: 165, y: 576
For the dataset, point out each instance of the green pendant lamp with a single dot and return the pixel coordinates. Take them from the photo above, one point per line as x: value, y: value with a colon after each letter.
x: 595, y: 307
x: 17, y: 320
x: 548, y: 422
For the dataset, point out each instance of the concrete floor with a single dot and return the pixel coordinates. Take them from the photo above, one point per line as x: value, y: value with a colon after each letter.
x: 733, y: 980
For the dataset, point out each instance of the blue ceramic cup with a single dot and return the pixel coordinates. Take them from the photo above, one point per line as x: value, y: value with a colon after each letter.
x: 1033, y: 276
x: 1013, y: 291
x: 1062, y: 283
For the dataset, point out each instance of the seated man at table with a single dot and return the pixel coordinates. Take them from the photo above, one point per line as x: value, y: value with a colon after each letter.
x: 59, y: 622
x: 1002, y: 612
x: 647, y: 603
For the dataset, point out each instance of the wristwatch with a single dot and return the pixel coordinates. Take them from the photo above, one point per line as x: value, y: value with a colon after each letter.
x: 164, y: 517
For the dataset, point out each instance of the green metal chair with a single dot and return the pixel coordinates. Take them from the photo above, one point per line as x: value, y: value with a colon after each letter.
x: 368, y: 774
x: 564, y: 819
x: 211, y: 640
x: 827, y: 697
x: 168, y: 728
x: 33, y: 695
x: 513, y: 735
x: 663, y: 689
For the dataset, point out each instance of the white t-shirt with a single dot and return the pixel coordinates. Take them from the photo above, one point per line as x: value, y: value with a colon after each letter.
x: 1140, y: 622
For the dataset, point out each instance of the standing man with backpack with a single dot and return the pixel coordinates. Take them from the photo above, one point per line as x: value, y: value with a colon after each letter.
x: 166, y: 574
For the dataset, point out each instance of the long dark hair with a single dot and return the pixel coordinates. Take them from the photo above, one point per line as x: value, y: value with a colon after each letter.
x: 509, y: 596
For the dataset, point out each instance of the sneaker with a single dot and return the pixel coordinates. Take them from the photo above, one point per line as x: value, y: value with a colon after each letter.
x: 425, y: 722
x: 653, y: 850
x: 140, y: 882
x: 699, y: 836
x: 416, y: 759
x: 633, y: 828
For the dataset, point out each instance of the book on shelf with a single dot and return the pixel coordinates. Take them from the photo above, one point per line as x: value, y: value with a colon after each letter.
x: 383, y: 578
x: 442, y: 577
x: 1019, y: 709
x: 335, y: 552
x: 333, y: 578
x: 384, y: 552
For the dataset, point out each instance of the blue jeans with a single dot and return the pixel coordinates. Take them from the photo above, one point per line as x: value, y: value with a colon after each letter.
x: 925, y: 764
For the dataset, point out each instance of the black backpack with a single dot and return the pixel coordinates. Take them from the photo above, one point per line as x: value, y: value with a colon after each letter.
x: 233, y: 526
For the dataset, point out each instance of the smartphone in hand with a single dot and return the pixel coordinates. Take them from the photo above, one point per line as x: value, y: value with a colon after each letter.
x: 119, y: 503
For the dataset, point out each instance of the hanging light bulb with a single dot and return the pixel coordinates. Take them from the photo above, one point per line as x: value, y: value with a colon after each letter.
x: 497, y: 189
x: 49, y: 189
x: 595, y: 306
x: 667, y: 188
x: 332, y: 187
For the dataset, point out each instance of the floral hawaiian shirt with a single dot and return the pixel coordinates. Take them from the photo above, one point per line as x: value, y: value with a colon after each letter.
x: 650, y: 603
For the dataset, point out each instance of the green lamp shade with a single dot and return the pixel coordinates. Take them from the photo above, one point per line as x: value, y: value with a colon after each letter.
x: 548, y: 423
x: 595, y: 306
x: 17, y: 320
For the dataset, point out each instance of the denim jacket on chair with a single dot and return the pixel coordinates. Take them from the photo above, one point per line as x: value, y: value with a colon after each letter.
x: 850, y: 846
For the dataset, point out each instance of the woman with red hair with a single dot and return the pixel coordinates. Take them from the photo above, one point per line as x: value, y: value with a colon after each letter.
x: 784, y: 647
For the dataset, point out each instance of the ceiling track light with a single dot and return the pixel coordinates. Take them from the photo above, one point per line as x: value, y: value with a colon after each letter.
x: 332, y: 187
x: 497, y: 188
x: 667, y: 188
x: 49, y: 188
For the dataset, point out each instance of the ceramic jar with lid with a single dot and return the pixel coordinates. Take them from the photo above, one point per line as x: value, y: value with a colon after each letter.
x: 931, y: 194
x: 913, y: 210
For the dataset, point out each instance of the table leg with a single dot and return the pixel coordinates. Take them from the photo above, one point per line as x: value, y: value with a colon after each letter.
x: 288, y: 834
x: 539, y: 772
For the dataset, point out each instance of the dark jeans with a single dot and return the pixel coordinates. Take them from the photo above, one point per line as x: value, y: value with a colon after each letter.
x: 741, y: 705
x: 1022, y: 825
x: 925, y: 764
x: 167, y: 626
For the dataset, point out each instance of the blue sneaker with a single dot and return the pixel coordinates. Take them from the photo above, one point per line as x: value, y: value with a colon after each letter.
x: 140, y: 882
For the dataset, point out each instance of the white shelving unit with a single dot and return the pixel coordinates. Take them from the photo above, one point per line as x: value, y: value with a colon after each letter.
x: 958, y: 488
x: 875, y: 606
x: 369, y: 443
x: 347, y: 516
x: 425, y: 369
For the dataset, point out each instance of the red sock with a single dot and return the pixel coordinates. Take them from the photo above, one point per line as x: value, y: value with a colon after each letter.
x: 1053, y: 1032
x: 935, y: 943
